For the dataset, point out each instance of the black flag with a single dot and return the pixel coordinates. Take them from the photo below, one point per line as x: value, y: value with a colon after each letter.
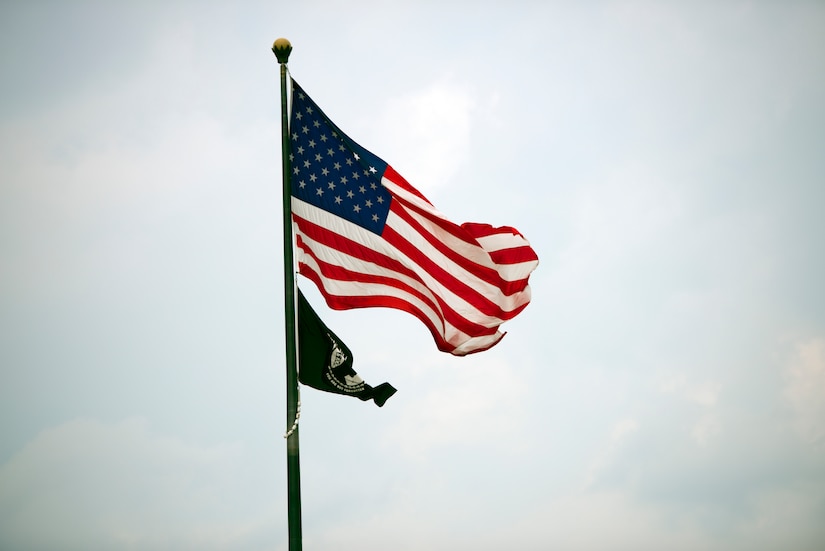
x: 325, y: 363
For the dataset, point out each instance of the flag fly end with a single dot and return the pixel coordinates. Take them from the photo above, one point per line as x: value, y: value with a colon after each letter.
x: 380, y: 394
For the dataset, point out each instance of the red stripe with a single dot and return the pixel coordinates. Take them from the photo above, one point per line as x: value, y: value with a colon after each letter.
x: 484, y: 273
x: 339, y: 302
x: 516, y: 255
x: 434, y: 217
x: 353, y: 248
x: 455, y: 285
x: 509, y: 255
x: 458, y: 287
x: 343, y: 302
x: 442, y: 311
x: 467, y: 232
x: 337, y: 272
x: 485, y: 230
x: 399, y: 180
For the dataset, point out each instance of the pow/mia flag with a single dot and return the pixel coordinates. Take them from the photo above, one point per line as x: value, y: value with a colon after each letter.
x: 325, y: 363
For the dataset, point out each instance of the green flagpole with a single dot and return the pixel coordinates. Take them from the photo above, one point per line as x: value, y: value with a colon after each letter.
x: 282, y: 48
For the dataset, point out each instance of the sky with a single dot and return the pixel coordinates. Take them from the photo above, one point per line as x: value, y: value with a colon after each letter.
x: 665, y: 388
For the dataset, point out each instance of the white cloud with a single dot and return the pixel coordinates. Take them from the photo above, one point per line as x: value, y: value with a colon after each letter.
x: 786, y: 518
x: 619, y: 225
x: 593, y: 521
x: 622, y: 430
x: 105, y: 486
x: 704, y: 394
x: 706, y: 428
x: 805, y: 390
x: 584, y: 521
x: 470, y: 405
x: 598, y: 521
x: 430, y: 134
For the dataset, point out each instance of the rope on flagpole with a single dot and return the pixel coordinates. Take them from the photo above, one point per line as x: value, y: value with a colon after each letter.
x: 294, y: 426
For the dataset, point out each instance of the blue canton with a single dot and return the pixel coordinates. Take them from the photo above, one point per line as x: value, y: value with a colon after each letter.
x: 332, y: 172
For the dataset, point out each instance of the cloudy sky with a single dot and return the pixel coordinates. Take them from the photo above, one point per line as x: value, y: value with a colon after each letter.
x: 665, y: 389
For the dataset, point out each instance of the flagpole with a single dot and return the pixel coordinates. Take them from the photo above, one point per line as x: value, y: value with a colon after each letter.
x: 282, y: 48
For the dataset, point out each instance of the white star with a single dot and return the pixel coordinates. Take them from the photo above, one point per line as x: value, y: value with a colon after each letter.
x: 338, y: 199
x: 319, y: 191
x: 356, y: 208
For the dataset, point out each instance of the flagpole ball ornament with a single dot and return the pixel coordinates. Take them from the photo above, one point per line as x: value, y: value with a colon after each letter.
x: 282, y: 48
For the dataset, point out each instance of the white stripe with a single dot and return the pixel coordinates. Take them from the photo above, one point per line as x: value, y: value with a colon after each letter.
x: 458, y: 304
x: 478, y: 343
x: 502, y: 241
x: 411, y: 198
x: 517, y: 272
x: 336, y: 257
x: 427, y: 285
x: 492, y: 243
x: 473, y: 254
x: 455, y: 337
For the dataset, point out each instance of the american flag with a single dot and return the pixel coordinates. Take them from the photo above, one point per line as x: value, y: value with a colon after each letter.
x: 366, y: 237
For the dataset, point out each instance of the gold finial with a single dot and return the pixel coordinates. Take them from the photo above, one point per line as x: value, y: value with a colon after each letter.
x: 281, y: 48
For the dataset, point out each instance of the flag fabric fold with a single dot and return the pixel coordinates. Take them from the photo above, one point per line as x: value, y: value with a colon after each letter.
x: 367, y: 238
x: 325, y: 362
